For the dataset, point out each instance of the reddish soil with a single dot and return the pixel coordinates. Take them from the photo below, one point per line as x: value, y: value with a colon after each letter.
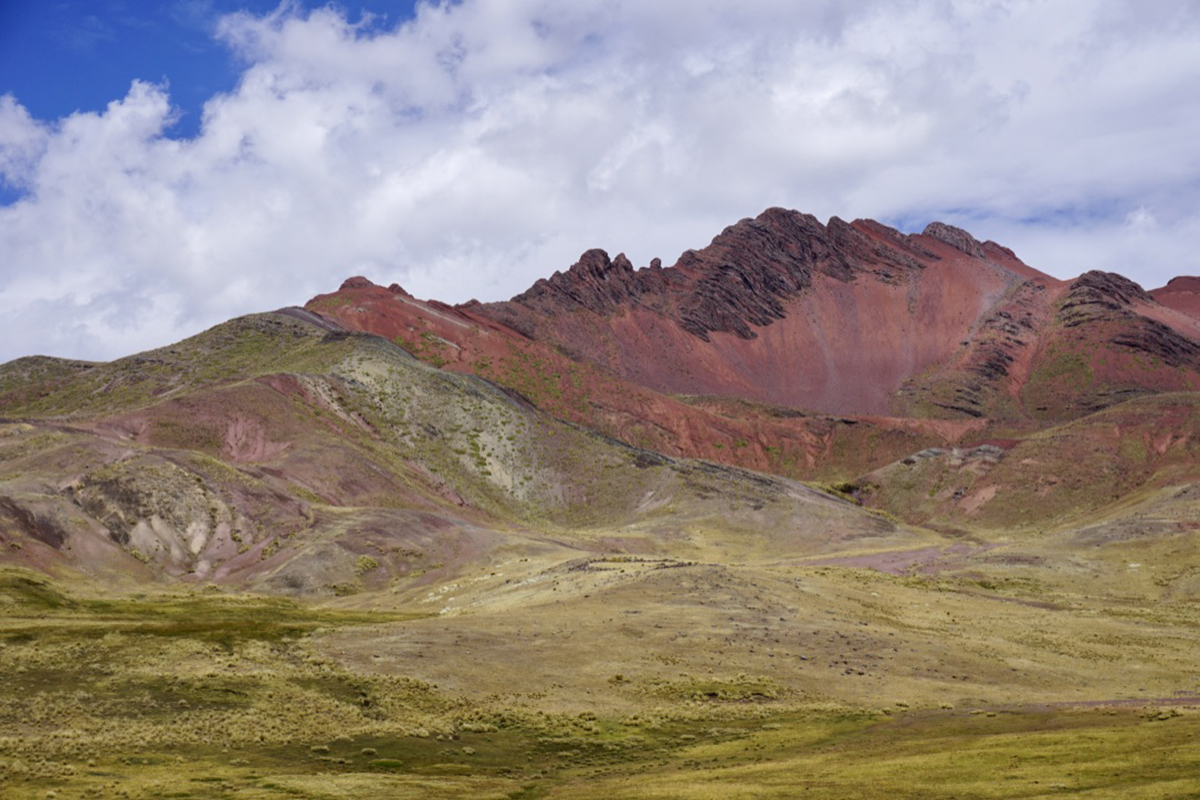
x: 758, y: 437
x: 1177, y: 305
x: 910, y: 340
x: 1181, y: 294
x: 835, y: 325
x: 841, y: 348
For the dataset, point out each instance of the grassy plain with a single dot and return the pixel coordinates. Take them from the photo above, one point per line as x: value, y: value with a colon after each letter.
x: 848, y: 684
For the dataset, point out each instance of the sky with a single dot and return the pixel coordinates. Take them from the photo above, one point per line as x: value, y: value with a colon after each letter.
x: 166, y: 166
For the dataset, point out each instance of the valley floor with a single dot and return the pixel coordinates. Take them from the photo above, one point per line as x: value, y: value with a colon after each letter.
x: 613, y: 677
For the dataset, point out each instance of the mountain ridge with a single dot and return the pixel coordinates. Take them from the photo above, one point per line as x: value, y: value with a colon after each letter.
x: 849, y: 318
x: 888, y: 491
x: 880, y: 304
x: 972, y: 347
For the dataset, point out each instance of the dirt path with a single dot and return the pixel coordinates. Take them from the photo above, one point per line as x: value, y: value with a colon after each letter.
x: 926, y: 560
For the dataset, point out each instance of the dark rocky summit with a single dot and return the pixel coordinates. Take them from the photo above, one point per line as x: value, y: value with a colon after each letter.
x: 853, y: 317
x: 740, y: 280
x: 1106, y: 297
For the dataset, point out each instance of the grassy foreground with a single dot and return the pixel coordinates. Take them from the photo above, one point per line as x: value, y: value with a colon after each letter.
x: 209, y: 695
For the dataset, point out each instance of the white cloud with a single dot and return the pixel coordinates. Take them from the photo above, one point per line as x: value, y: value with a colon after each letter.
x: 23, y: 140
x: 483, y: 145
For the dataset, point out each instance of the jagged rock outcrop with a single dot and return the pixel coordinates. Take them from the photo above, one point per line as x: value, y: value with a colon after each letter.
x: 955, y: 237
x: 779, y: 308
x: 1093, y: 294
x: 596, y: 282
x: 1108, y: 298
x: 837, y: 318
x: 753, y: 266
x: 738, y: 282
x: 1159, y: 341
x: 987, y: 371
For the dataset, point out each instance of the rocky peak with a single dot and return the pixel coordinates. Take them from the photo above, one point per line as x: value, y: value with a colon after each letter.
x: 595, y: 281
x: 742, y: 277
x: 1106, y: 297
x: 741, y: 280
x: 595, y: 264
x: 955, y: 237
x: 751, y: 268
x: 1108, y: 286
x: 359, y: 282
x: 1096, y: 296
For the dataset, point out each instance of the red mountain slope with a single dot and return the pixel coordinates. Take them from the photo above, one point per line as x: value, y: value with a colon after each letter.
x: 779, y: 309
x: 1182, y: 297
x: 804, y: 348
x: 758, y: 436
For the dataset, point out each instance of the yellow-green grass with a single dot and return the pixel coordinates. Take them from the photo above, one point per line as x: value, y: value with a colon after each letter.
x: 210, y: 695
x: 1090, y: 753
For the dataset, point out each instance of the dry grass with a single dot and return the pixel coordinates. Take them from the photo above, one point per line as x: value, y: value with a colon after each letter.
x: 562, y: 692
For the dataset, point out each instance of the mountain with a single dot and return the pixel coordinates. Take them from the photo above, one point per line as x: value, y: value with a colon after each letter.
x: 750, y: 434
x: 281, y: 452
x: 832, y: 352
x: 857, y: 318
x: 802, y: 326
x: 837, y: 352
x: 779, y: 309
x: 813, y: 494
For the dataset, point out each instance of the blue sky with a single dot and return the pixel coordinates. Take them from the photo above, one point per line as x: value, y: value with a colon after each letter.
x: 165, y: 166
x: 62, y: 56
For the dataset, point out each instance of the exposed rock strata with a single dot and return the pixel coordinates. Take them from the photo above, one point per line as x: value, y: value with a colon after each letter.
x: 741, y: 280
x: 1105, y: 297
x: 842, y: 318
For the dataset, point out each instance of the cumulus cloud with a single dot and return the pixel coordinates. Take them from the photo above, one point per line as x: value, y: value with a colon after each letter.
x: 482, y: 145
